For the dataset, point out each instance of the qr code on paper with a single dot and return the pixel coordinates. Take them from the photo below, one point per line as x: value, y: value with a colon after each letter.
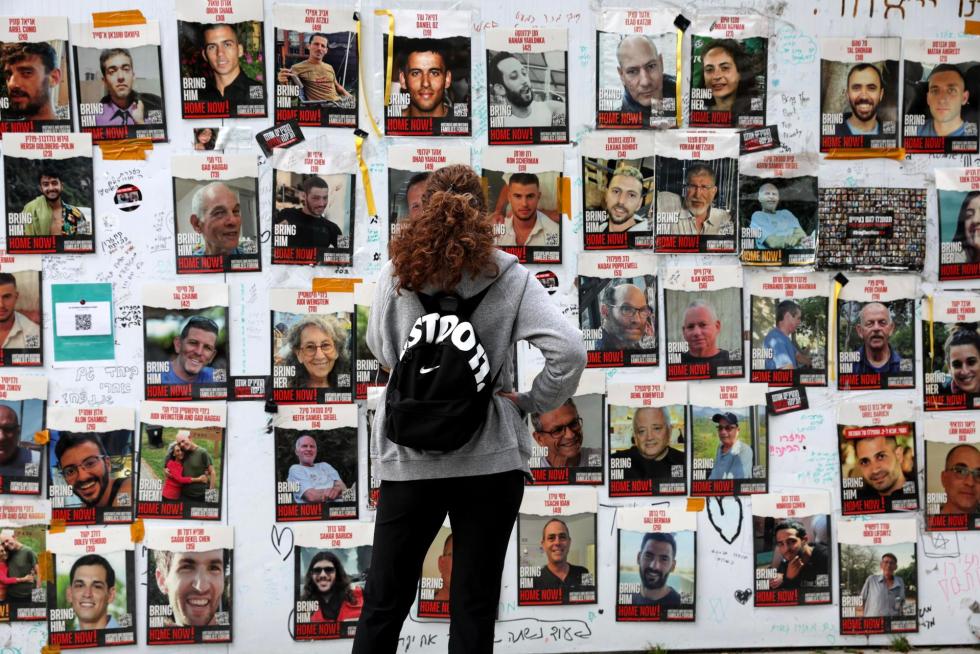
x: 83, y: 322
x: 211, y: 495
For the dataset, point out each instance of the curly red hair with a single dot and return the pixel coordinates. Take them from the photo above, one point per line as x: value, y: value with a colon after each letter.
x: 453, y: 234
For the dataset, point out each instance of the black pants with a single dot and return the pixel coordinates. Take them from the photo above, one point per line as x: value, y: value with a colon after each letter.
x: 482, y: 511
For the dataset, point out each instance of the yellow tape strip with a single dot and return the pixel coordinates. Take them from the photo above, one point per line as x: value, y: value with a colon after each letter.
x: 42, y: 437
x: 51, y: 649
x: 485, y: 185
x: 45, y: 566
x: 365, y: 175
x: 832, y: 337
x: 137, y: 530
x: 117, y: 18
x: 57, y: 526
x: 565, y: 196
x: 360, y: 74
x: 695, y: 504
x: 898, y: 154
x: 128, y: 149
x: 679, y: 82
x: 971, y: 27
x: 390, y: 51
x: 334, y: 284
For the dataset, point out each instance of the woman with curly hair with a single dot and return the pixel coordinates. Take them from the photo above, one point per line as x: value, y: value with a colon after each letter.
x: 448, y: 247
x: 317, y: 352
x: 328, y: 585
x: 727, y: 75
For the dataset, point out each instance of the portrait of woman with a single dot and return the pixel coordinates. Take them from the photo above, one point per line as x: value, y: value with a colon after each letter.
x: 963, y: 359
x: 205, y: 138
x: 328, y: 584
x: 318, y: 351
x: 968, y: 227
x: 727, y: 73
x: 175, y: 480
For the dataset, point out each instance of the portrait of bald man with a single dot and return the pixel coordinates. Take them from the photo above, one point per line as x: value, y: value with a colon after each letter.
x: 628, y: 319
x: 641, y: 70
x: 13, y: 456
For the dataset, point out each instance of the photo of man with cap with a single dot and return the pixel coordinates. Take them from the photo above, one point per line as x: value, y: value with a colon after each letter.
x: 733, y: 458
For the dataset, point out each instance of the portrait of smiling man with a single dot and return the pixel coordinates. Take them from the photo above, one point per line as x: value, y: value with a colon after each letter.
x: 627, y: 319
x: 86, y: 466
x: 195, y: 348
x: 426, y: 78
x: 650, y: 455
x: 31, y: 71
x: 222, y: 50
x: 193, y: 583
x: 216, y: 214
x: 864, y: 91
x: 560, y: 433
x: 91, y: 590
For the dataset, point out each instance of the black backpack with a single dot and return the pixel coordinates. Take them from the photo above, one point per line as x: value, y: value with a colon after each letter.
x: 440, y: 388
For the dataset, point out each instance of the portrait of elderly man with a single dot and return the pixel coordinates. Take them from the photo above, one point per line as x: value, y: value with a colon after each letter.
x: 627, y: 319
x: 123, y: 104
x: 650, y: 455
x: 776, y: 229
x: 875, y: 327
x: 733, y: 458
x: 695, y: 213
x: 559, y: 432
x: 31, y: 72
x: 700, y: 330
x: 216, y: 214
x: 317, y: 482
x: 641, y: 70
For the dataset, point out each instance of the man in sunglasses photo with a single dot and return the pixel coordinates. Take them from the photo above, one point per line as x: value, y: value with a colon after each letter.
x: 87, y: 468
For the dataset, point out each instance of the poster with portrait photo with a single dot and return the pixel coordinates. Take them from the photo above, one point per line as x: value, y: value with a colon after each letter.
x: 617, y: 192
x: 409, y: 167
x: 656, y: 563
x: 704, y: 324
x: 436, y: 580
x: 370, y: 374
x: 32, y: 48
x: 90, y: 464
x: 788, y: 324
x: 940, y: 96
x: 316, y: 462
x: 958, y: 191
x: 119, y: 82
x: 331, y: 565
x: 729, y: 59
x: 557, y: 547
x: 430, y: 82
x: 189, y: 584
x: 316, y: 63
x: 778, y: 201
x: 950, y: 352
x: 617, y: 309
x: 313, y: 336
x: 185, y: 341
x: 872, y: 228
x: 729, y: 439
x: 876, y: 333
x: 647, y: 439
x: 527, y: 85
x: 524, y: 193
x: 216, y: 213
x: 876, y: 440
x: 23, y: 536
x: 313, y: 207
x: 222, y: 59
x: 92, y: 589
x: 878, y: 575
x: 21, y: 311
x: 567, y: 441
x: 370, y: 410
x: 637, y: 71
x: 697, y: 192
x: 49, y: 198
x: 182, y: 452
x: 859, y: 86
x: 23, y: 399
x: 952, y: 451
x: 792, y: 548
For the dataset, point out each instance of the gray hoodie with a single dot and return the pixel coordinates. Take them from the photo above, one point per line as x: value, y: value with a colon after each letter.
x: 517, y: 308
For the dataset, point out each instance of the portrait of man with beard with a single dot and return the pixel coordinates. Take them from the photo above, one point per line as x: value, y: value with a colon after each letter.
x: 510, y: 85
x: 865, y: 90
x: 31, y: 71
x: 656, y: 560
x: 86, y: 466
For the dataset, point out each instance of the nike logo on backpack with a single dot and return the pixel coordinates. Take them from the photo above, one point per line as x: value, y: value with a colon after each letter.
x: 422, y: 371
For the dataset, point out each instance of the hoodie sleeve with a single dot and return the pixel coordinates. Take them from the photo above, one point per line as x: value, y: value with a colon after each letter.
x: 541, y: 323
